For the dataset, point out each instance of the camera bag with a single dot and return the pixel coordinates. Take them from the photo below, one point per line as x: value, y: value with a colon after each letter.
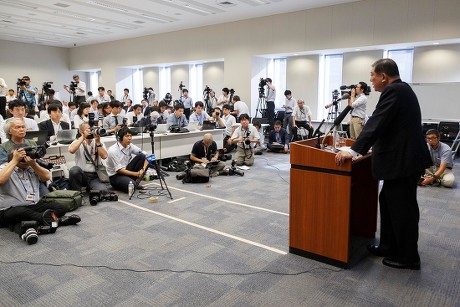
x: 71, y: 200
x: 196, y: 175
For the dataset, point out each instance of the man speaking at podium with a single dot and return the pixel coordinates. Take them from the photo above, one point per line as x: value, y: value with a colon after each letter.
x: 399, y: 156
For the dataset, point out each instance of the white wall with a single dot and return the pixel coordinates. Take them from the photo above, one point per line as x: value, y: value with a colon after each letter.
x: 213, y: 76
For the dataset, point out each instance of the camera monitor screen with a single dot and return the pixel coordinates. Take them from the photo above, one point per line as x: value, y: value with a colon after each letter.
x: 39, y: 137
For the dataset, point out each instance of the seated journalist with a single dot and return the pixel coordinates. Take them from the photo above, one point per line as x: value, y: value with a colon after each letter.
x: 125, y: 161
x: 278, y: 140
x: 205, y: 154
x: 21, y: 179
x: 440, y: 173
x: 87, y: 148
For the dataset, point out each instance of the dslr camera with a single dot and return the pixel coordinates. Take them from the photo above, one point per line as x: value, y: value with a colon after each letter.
x: 40, y: 229
x: 35, y: 152
x: 96, y: 131
x: 232, y: 170
x: 96, y: 196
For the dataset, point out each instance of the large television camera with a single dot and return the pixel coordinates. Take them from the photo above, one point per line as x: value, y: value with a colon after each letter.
x: 21, y: 82
x: 73, y: 86
x: 46, y: 87
x: 145, y: 93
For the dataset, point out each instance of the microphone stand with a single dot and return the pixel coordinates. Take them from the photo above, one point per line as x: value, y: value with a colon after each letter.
x: 318, y: 132
x: 154, y: 165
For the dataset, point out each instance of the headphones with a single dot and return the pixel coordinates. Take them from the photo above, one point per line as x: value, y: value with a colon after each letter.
x: 122, y: 132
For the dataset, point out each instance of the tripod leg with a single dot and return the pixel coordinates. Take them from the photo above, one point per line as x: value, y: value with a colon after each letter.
x: 162, y: 179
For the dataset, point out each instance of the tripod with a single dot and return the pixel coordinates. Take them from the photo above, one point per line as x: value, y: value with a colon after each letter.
x: 261, y: 107
x: 153, y: 164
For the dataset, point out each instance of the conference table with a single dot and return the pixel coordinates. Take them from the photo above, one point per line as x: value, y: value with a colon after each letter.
x: 165, y: 145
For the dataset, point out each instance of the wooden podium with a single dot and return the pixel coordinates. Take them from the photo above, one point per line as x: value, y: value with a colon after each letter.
x: 333, y: 209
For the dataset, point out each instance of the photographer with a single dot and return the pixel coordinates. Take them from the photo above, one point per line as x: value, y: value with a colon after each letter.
x: 270, y: 101
x: 205, y: 152
x: 83, y: 174
x: 54, y: 124
x: 21, y: 186
x: 150, y: 96
x: 357, y: 101
x: 122, y: 167
x: 301, y: 117
x: 213, y: 100
x: 243, y: 137
x: 230, y: 123
x: 27, y: 92
x: 77, y: 88
x: 216, y: 117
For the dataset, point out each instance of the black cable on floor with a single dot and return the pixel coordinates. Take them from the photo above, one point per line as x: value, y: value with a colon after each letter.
x: 276, y: 168
x: 171, y: 270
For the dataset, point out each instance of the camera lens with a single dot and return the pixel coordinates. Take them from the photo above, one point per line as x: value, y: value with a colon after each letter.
x: 93, y: 200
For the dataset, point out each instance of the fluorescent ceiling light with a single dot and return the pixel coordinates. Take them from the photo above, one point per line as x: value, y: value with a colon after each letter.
x: 108, y: 6
x: 197, y: 9
x: 155, y: 18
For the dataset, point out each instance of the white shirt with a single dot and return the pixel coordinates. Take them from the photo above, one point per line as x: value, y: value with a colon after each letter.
x: 81, y: 158
x: 241, y: 108
x: 291, y: 103
x: 239, y: 132
x: 80, y: 90
x: 102, y: 99
x: 30, y: 124
x: 130, y: 117
x: 359, y: 106
x: 77, y: 121
x: 301, y: 115
x: 119, y: 157
x: 229, y: 122
x: 3, y: 88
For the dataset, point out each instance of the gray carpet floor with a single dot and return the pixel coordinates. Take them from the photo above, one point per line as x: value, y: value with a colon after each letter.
x: 224, y: 243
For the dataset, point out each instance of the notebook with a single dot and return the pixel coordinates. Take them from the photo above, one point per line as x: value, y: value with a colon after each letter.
x: 39, y: 137
x: 208, y: 125
x: 161, y: 128
x: 66, y: 136
x: 192, y: 126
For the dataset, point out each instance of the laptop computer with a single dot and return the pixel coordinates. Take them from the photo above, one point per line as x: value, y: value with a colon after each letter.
x: 136, y: 130
x: 66, y: 136
x: 161, y: 128
x: 192, y: 126
x: 39, y: 137
x: 208, y: 125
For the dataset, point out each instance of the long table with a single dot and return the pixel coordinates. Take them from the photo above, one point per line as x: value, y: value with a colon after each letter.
x: 165, y: 145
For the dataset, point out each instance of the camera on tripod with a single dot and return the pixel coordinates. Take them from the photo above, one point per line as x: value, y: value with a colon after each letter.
x: 181, y: 86
x: 21, y: 82
x: 145, y: 93
x: 73, y: 86
x: 96, y: 196
x: 206, y: 90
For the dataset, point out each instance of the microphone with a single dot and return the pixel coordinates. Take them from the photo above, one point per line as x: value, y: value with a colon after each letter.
x: 340, y: 118
x: 344, y: 96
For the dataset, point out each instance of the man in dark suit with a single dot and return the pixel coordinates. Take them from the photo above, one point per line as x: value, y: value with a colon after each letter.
x: 278, y: 140
x: 399, y: 156
x: 54, y: 124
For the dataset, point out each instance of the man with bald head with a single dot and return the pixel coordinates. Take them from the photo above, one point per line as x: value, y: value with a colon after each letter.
x: 205, y: 152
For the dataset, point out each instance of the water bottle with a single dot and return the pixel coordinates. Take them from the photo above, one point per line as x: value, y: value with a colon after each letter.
x: 130, y: 188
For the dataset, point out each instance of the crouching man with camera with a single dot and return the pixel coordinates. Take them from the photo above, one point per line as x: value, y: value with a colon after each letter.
x: 21, y: 176
x: 89, y: 152
x: 205, y: 154
x: 244, y: 137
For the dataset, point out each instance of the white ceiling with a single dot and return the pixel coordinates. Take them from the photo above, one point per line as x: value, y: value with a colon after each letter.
x: 69, y: 23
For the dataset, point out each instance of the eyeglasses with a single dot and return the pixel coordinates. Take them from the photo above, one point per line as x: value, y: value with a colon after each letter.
x: 431, y: 138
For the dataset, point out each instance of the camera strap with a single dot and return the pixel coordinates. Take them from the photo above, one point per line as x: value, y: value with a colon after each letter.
x: 88, y: 155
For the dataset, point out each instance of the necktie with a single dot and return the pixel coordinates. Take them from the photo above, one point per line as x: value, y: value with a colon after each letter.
x: 116, y: 120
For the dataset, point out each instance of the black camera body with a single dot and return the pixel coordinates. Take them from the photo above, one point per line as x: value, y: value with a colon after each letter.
x: 96, y: 196
x: 206, y: 90
x: 145, y: 93
x: 46, y: 87
x: 73, y: 86
x: 40, y: 229
x: 21, y: 82
x: 96, y: 131
x: 35, y: 152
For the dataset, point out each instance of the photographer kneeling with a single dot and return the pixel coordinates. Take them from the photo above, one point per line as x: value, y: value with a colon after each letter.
x: 89, y: 151
x: 205, y: 154
x: 243, y: 137
x: 21, y: 179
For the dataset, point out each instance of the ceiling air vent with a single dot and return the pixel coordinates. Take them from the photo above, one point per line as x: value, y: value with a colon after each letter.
x: 226, y: 3
x: 62, y: 4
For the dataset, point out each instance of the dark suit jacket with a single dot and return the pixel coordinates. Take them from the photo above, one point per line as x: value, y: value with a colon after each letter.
x: 48, y: 125
x: 395, y: 134
x: 283, y: 136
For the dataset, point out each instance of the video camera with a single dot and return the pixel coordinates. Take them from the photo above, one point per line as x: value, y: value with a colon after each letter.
x: 181, y: 86
x: 344, y: 89
x: 145, y: 93
x: 35, y: 152
x: 207, y: 90
x: 46, y: 87
x: 96, y: 196
x: 73, y: 86
x: 21, y: 82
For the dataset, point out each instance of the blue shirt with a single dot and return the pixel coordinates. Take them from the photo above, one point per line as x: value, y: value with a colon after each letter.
x: 27, y: 97
x: 173, y: 120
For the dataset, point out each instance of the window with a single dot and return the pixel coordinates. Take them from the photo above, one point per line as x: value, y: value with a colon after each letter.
x: 276, y: 71
x: 165, y: 81
x: 405, y: 60
x: 94, y: 82
x: 138, y: 89
x: 330, y: 79
x: 196, y: 82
